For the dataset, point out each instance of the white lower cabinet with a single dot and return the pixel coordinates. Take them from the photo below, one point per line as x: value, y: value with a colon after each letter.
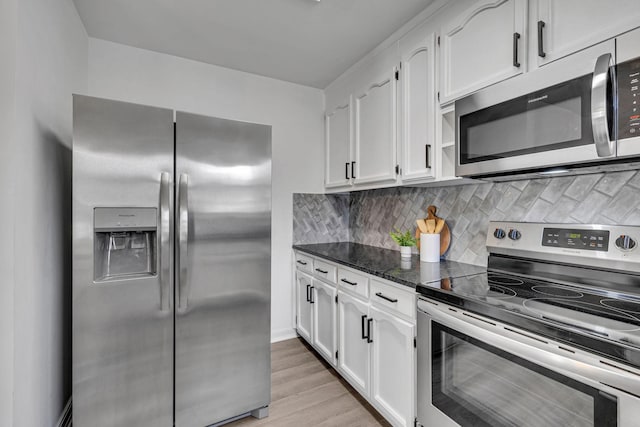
x: 324, y: 320
x: 392, y: 367
x: 366, y: 329
x: 304, y: 314
x: 316, y: 314
x: 377, y: 357
x: 353, y: 348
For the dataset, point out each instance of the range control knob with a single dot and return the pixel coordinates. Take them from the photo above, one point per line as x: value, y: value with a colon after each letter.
x: 514, y: 234
x: 499, y: 233
x: 625, y: 243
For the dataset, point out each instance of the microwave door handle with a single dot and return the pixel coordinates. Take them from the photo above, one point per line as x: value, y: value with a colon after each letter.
x: 165, y: 244
x: 183, y: 236
x: 603, y: 73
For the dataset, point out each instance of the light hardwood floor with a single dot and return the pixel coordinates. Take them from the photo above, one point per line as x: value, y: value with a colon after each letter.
x: 306, y: 391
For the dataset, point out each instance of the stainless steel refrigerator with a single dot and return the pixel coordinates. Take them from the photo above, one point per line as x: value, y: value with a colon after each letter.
x: 171, y: 266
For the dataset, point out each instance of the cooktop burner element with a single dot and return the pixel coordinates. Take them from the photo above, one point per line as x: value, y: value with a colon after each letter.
x: 557, y: 291
x: 553, y: 282
x: 504, y: 280
x: 497, y: 291
x: 622, y: 304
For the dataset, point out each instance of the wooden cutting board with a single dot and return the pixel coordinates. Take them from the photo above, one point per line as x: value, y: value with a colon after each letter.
x: 445, y: 234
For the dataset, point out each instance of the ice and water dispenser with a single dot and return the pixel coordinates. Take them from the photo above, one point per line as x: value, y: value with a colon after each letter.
x: 124, y: 243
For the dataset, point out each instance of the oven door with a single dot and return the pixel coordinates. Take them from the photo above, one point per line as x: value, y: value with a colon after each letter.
x: 558, y: 115
x: 474, y: 372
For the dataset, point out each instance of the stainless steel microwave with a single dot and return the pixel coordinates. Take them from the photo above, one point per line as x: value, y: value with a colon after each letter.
x: 577, y: 114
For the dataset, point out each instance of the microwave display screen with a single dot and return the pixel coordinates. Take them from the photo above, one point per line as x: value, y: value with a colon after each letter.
x: 555, y: 118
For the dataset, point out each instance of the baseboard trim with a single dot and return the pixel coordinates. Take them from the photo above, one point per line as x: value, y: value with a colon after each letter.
x: 283, y: 334
x: 65, y: 417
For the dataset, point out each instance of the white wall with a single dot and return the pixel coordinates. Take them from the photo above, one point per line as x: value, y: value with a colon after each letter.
x: 295, y: 112
x: 8, y: 17
x: 50, y: 63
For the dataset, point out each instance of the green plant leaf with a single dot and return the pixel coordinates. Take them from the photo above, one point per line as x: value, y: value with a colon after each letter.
x: 403, y: 239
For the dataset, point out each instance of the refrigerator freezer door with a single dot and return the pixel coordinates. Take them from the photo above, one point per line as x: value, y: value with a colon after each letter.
x: 222, y: 365
x: 123, y: 320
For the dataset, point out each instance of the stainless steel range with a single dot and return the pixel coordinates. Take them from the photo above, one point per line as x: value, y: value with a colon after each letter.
x: 549, y: 335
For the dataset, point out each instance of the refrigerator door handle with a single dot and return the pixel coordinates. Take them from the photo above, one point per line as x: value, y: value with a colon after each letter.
x: 165, y: 243
x: 183, y: 235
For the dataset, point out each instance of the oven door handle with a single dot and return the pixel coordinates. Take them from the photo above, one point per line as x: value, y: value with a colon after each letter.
x: 603, y: 88
x: 582, y: 367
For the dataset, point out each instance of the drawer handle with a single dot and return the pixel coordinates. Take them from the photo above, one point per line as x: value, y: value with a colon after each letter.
x: 369, y: 324
x: 321, y: 271
x: 379, y: 294
x: 348, y: 282
x: 301, y: 262
x: 364, y: 320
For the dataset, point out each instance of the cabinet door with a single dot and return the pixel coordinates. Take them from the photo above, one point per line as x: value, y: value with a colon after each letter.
x: 375, y: 123
x: 566, y: 26
x: 481, y: 47
x: 304, y: 291
x: 418, y: 102
x: 324, y: 320
x: 338, y: 146
x: 353, y: 349
x: 392, y: 367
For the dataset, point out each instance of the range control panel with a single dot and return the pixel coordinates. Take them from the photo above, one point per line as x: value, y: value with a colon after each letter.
x: 607, y: 246
x: 629, y: 99
x: 591, y: 240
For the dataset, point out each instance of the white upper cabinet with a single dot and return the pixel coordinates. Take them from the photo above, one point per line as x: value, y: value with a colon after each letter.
x: 375, y: 121
x: 338, y: 145
x: 566, y: 26
x: 417, y: 85
x: 360, y: 124
x: 483, y: 45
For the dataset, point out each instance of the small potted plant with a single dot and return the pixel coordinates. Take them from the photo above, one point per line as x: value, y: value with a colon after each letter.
x: 405, y: 240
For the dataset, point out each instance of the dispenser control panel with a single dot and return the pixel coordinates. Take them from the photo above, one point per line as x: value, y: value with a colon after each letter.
x: 109, y: 219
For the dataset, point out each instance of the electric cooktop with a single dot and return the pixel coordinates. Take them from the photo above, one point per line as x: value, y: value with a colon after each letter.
x: 575, y: 283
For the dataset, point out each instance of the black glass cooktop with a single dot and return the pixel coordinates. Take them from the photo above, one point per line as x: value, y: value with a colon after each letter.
x: 596, y: 319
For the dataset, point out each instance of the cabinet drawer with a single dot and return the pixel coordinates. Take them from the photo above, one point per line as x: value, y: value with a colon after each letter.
x: 353, y: 282
x: 304, y: 263
x: 325, y: 271
x: 394, y: 299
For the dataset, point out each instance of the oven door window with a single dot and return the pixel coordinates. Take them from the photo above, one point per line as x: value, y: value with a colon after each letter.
x: 477, y: 384
x: 554, y: 118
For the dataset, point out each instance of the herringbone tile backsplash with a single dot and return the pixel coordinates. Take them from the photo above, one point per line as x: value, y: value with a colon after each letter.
x: 368, y: 216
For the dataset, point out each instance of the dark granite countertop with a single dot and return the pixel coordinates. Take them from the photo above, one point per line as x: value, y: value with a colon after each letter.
x: 387, y: 264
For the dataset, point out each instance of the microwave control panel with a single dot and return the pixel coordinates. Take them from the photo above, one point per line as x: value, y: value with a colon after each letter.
x: 629, y: 99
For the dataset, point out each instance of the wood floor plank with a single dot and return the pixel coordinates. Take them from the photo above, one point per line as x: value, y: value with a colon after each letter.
x: 301, y: 384
x: 307, y: 391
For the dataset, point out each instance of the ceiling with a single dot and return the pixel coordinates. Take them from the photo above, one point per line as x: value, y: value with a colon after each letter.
x: 300, y: 41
